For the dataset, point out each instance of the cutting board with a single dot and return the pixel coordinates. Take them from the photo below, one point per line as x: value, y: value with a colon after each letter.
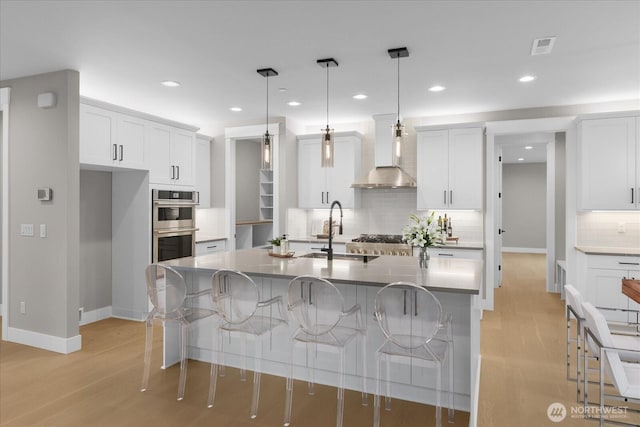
x: 631, y: 288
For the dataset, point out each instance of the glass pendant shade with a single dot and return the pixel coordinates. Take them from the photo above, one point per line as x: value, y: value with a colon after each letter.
x: 398, y: 144
x: 327, y: 148
x: 266, y: 151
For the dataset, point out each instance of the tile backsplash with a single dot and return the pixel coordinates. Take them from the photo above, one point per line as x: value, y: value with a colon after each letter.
x: 604, y: 229
x: 382, y: 212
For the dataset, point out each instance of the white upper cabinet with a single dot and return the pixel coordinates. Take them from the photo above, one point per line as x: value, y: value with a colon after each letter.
x: 108, y: 138
x: 203, y: 171
x: 318, y: 186
x: 450, y: 168
x: 171, y: 155
x: 609, y: 162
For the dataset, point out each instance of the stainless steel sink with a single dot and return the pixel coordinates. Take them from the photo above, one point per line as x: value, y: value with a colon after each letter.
x: 351, y: 257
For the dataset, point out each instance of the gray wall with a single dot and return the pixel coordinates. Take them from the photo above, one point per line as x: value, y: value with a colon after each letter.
x: 524, y: 205
x: 561, y: 194
x: 1, y: 198
x: 248, y: 163
x: 95, y: 240
x: 43, y: 152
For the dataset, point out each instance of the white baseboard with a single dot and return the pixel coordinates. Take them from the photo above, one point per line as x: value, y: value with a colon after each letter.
x: 95, y: 315
x: 45, y: 342
x: 525, y: 250
x: 123, y: 313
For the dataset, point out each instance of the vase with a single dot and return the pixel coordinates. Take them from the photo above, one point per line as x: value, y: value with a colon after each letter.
x: 423, y: 258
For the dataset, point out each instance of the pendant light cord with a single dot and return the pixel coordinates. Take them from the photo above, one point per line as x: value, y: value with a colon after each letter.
x: 398, y: 88
x: 267, y: 120
x: 327, y: 95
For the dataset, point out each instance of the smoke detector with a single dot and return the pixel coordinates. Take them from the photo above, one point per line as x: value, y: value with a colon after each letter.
x: 542, y: 46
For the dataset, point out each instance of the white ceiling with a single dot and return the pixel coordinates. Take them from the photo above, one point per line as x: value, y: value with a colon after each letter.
x: 477, y: 49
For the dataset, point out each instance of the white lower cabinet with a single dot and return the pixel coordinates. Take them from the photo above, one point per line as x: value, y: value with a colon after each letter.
x: 455, y: 253
x: 315, y: 246
x: 604, y: 284
x: 211, y: 246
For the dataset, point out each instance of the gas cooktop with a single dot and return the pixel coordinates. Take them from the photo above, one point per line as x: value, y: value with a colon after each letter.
x: 379, y: 238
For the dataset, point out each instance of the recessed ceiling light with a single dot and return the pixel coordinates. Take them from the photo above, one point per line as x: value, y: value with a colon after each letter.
x: 528, y: 147
x: 293, y: 103
x: 236, y: 109
x: 520, y: 159
x: 436, y: 88
x: 170, y: 83
x: 282, y: 89
x: 525, y: 79
x: 360, y: 96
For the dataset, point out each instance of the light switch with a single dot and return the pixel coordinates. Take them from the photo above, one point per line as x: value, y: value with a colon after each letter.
x: 43, y: 230
x: 26, y: 230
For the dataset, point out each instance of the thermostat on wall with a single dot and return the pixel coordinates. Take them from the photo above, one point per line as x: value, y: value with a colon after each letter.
x: 45, y: 194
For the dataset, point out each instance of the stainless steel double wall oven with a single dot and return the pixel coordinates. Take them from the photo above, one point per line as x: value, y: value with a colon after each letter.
x: 174, y: 224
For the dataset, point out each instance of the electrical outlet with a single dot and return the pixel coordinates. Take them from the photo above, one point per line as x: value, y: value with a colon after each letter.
x: 26, y: 230
x: 622, y: 227
x: 43, y: 230
x: 23, y: 307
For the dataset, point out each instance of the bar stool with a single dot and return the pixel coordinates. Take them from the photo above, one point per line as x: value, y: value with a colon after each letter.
x: 413, y: 323
x: 318, y: 309
x: 167, y: 291
x: 237, y: 300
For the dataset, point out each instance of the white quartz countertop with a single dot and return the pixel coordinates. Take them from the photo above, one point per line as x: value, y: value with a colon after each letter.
x: 347, y: 239
x: 443, y: 275
x: 603, y: 250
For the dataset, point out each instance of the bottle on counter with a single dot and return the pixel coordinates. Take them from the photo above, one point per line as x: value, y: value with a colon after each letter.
x: 440, y: 223
x: 445, y: 224
x: 450, y: 229
x: 284, y: 245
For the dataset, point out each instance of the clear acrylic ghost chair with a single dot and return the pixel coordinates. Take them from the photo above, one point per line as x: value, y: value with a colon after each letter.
x: 167, y: 291
x: 415, y: 326
x: 621, y: 338
x: 318, y: 309
x: 236, y: 299
x: 625, y: 375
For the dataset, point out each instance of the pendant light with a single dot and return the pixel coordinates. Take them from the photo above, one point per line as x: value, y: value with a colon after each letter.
x: 267, y: 149
x: 398, y: 128
x: 327, y: 136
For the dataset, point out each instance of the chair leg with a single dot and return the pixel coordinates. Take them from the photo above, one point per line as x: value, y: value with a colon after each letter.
x: 221, y: 363
x: 243, y: 361
x: 438, y: 391
x: 148, y: 346
x: 387, y: 396
x: 363, y: 351
x: 311, y: 360
x: 184, y: 336
x: 289, y: 388
x: 340, y: 412
x: 213, y: 376
x: 376, y: 396
x: 451, y: 410
x: 256, y: 378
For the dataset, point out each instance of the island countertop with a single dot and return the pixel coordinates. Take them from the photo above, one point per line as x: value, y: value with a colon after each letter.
x: 443, y: 275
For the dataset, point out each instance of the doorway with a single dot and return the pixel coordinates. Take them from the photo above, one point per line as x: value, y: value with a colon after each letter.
x: 556, y: 128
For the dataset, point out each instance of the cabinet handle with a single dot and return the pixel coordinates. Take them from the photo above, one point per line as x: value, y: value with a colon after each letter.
x: 415, y: 303
x: 211, y: 247
x: 115, y: 152
x: 631, y: 195
x: 177, y: 172
x: 451, y: 197
x: 404, y: 304
x: 121, y: 152
x: 173, y: 172
x: 445, y: 254
x: 445, y: 196
x: 629, y: 263
x: 327, y: 197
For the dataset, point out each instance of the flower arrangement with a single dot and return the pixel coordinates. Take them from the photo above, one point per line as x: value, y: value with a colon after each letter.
x: 422, y: 231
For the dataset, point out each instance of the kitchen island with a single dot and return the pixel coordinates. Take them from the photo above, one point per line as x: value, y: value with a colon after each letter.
x: 455, y: 282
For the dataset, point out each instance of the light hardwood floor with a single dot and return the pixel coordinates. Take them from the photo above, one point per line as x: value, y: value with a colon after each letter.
x: 523, y: 371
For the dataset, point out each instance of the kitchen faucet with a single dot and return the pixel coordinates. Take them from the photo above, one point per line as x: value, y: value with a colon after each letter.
x: 329, y: 250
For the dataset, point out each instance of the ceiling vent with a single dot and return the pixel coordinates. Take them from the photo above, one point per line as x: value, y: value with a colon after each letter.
x: 542, y: 46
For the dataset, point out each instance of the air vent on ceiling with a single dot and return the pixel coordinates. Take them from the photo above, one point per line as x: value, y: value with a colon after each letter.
x: 542, y: 46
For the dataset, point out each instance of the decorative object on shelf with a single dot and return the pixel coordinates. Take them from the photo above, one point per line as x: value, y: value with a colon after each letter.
x: 327, y: 136
x: 267, y: 151
x: 398, y: 128
x: 422, y: 232
x: 281, y: 244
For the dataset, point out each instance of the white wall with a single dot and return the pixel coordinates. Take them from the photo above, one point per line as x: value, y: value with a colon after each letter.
x: 44, y: 273
x: 248, y: 164
x: 95, y: 240
x: 524, y: 202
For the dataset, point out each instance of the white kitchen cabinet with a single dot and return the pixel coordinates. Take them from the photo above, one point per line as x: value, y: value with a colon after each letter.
x: 450, y: 171
x: 203, y: 170
x: 211, y: 246
x: 171, y: 155
x: 609, y: 161
x: 604, y: 284
x: 109, y: 138
x: 317, y: 186
x: 445, y: 252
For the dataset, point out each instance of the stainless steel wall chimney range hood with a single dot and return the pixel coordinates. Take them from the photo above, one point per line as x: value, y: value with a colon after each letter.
x: 384, y: 175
